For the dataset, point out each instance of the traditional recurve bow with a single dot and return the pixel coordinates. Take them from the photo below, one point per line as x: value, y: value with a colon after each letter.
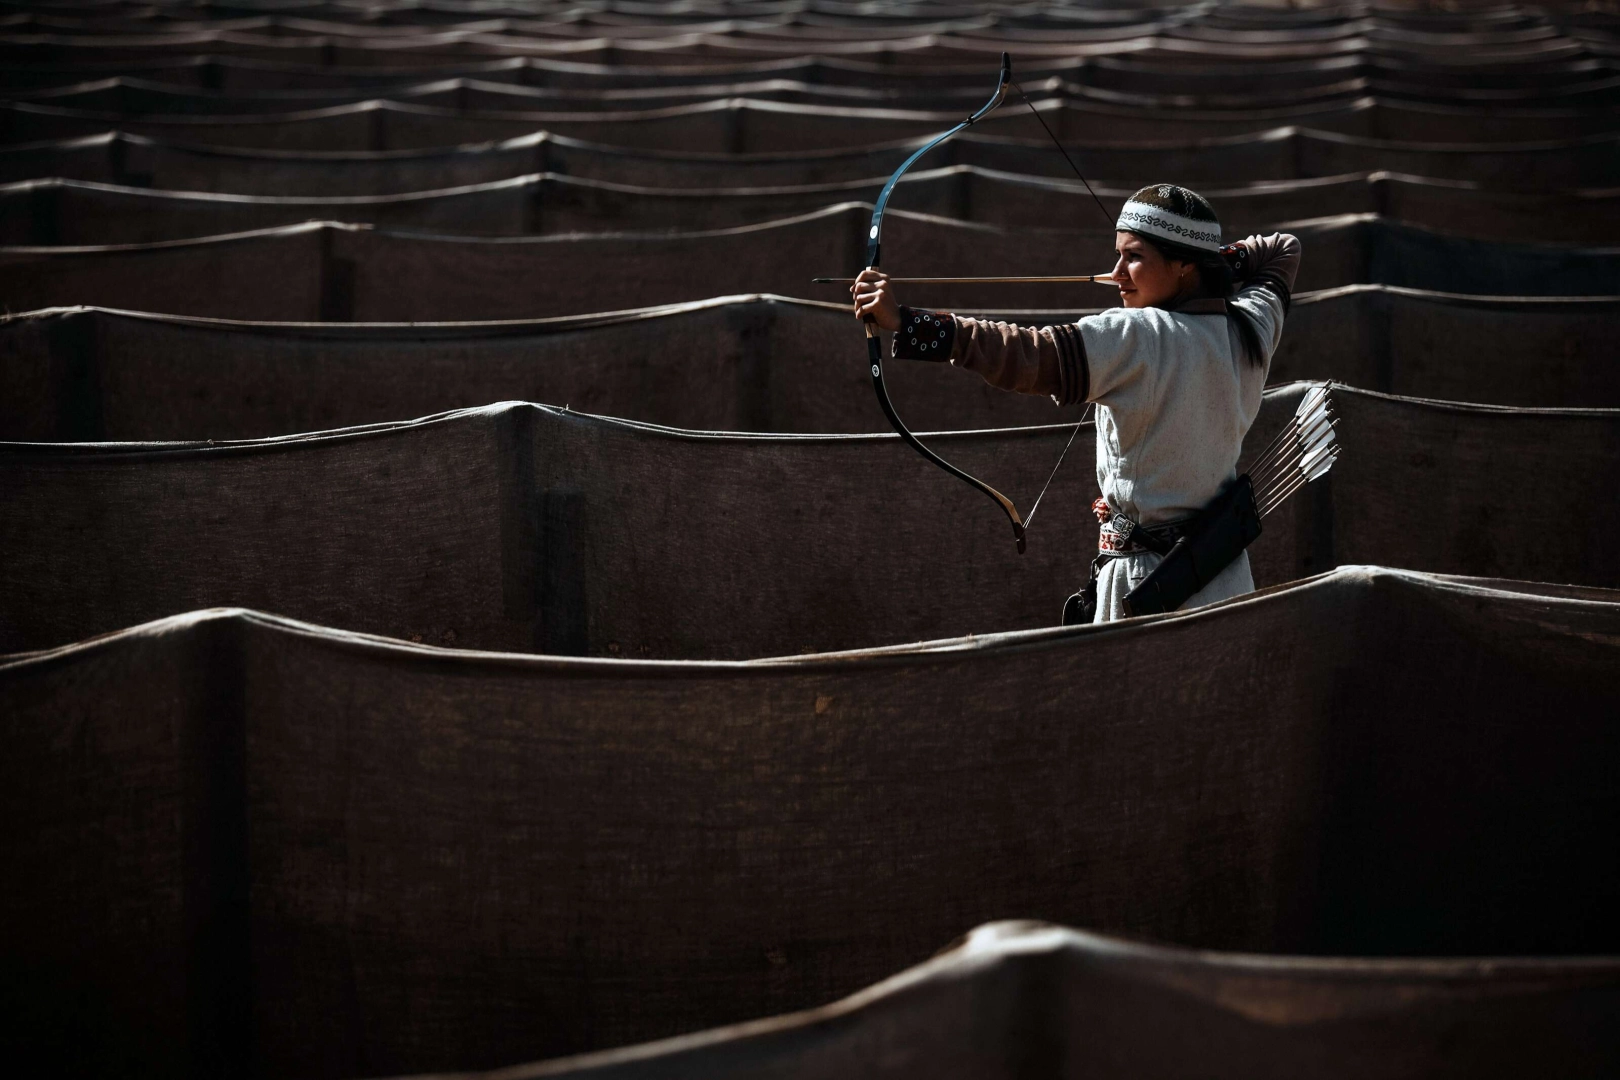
x: 874, y: 345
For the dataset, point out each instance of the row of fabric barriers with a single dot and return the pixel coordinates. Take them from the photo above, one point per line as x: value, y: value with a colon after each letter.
x: 461, y: 604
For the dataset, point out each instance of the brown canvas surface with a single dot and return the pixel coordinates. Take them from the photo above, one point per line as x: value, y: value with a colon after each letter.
x: 256, y: 845
x: 349, y: 273
x: 268, y: 815
x: 746, y: 363
x: 744, y: 125
x: 701, y: 45
x: 1015, y: 998
x: 1119, y: 73
x: 135, y: 95
x: 531, y: 527
x: 80, y: 213
x: 1278, y: 154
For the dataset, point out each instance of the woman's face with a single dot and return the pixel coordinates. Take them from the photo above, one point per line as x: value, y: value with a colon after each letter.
x: 1145, y: 277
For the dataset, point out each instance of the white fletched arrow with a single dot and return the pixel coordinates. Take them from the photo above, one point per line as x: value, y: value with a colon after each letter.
x: 1303, y: 451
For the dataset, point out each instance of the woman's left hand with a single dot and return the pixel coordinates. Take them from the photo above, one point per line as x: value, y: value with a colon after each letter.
x: 875, y: 300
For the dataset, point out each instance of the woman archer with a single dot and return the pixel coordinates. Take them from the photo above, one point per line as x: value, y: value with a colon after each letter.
x: 1176, y: 372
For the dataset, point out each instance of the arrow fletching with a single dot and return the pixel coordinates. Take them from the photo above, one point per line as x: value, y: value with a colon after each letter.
x: 1304, y: 451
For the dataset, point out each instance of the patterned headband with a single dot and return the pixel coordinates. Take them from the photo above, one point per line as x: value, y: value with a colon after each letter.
x: 1158, y: 220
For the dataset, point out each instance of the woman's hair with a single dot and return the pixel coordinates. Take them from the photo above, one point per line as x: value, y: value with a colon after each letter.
x: 1215, y: 279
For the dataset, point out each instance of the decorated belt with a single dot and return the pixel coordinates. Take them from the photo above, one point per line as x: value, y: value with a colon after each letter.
x: 1119, y: 535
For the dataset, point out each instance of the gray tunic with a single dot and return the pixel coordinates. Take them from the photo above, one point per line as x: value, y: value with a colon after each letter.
x: 1175, y: 395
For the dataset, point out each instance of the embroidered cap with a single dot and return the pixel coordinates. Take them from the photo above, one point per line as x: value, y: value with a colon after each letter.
x: 1173, y: 213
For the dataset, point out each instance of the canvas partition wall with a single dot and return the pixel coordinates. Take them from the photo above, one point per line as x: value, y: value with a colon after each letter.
x: 1526, y: 166
x: 834, y: 22
x: 727, y: 126
x: 928, y: 52
x: 342, y: 273
x: 528, y: 527
x: 488, y: 529
x: 78, y: 213
x: 137, y: 91
x: 225, y: 74
x: 1523, y: 351
x: 1281, y: 154
x: 1425, y: 82
x: 761, y: 126
x: 758, y: 364
x: 1575, y: 103
x: 127, y: 159
x: 1016, y: 998
x: 742, y: 363
x: 309, y: 853
x: 1135, y: 74
x: 234, y: 75
x: 698, y: 46
x: 1278, y: 154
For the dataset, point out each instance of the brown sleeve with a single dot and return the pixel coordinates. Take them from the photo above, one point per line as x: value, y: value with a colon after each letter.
x: 1025, y: 359
x: 1274, y: 260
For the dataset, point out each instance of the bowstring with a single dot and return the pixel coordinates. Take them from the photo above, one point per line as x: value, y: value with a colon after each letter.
x: 1059, y: 144
x: 1030, y: 517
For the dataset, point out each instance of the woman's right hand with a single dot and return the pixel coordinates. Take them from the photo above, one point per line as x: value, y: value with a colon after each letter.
x: 875, y: 301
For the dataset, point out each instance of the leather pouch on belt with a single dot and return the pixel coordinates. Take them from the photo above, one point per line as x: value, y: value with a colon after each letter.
x: 1230, y: 523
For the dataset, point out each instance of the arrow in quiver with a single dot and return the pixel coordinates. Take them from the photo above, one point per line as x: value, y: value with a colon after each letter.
x: 1303, y: 451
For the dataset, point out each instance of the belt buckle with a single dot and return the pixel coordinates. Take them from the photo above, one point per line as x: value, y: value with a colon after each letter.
x: 1117, y: 535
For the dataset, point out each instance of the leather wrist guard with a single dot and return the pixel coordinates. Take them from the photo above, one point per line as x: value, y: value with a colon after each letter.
x: 924, y: 335
x: 1237, y: 257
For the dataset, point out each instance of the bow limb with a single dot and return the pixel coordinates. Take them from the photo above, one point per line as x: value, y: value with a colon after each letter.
x: 874, y: 352
x: 874, y: 346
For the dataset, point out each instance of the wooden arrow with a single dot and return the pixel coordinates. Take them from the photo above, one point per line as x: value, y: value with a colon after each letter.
x: 1099, y: 279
